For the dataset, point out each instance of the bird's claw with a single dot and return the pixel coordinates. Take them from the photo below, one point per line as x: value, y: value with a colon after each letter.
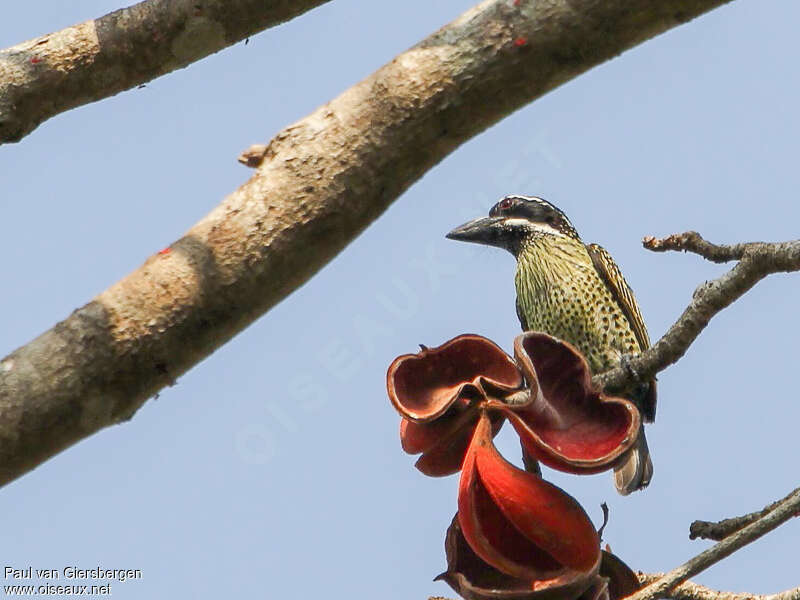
x: 625, y: 362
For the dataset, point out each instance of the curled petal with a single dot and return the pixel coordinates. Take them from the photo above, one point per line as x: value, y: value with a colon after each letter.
x: 519, y: 523
x: 423, y: 386
x: 443, y: 442
x: 598, y: 590
x: 622, y: 581
x: 474, y: 579
x: 569, y: 425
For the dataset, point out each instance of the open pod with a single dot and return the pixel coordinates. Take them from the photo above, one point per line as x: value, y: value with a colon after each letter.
x: 438, y: 390
x: 568, y: 424
x: 474, y: 579
x: 423, y: 386
x: 622, y: 581
x: 444, y: 442
x: 546, y: 393
x: 515, y: 536
x: 519, y: 523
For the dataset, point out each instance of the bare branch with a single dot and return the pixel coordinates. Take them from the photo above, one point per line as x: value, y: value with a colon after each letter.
x: 661, y: 588
x: 695, y: 591
x: 691, y: 241
x: 321, y: 182
x: 756, y: 261
x: 719, y: 530
x: 97, y: 59
x: 675, y: 585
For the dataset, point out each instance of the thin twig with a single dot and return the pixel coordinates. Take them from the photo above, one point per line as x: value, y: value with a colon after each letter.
x: 694, y: 591
x: 691, y: 241
x: 661, y: 587
x: 756, y: 261
x: 711, y: 530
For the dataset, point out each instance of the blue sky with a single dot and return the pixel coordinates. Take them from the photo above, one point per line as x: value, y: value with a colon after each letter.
x: 273, y: 468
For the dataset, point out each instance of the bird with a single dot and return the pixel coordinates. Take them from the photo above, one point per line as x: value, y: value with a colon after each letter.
x: 577, y: 293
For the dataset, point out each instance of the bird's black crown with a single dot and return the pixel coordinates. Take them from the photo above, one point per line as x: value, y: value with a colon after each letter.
x: 536, y: 210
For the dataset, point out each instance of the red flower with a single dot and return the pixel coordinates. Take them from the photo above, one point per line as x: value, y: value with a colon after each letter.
x: 438, y: 391
x: 521, y: 524
x: 569, y: 425
x: 519, y: 537
x: 560, y: 418
x: 473, y: 579
x: 516, y: 536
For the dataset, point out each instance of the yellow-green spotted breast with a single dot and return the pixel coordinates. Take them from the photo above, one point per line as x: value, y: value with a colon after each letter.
x: 560, y: 292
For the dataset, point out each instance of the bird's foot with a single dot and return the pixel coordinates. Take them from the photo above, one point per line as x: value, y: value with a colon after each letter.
x: 625, y: 363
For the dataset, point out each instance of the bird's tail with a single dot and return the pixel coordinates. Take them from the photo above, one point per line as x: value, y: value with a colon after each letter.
x: 636, y: 468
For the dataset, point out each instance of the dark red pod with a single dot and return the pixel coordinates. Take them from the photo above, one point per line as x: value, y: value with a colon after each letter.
x: 568, y: 424
x: 519, y: 523
x: 438, y: 392
x: 515, y: 536
x: 423, y: 386
x: 546, y: 393
x: 443, y: 442
x: 474, y: 579
x: 621, y: 580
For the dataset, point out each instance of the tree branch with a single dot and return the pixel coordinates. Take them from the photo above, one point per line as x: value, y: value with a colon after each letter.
x: 756, y: 261
x: 661, y: 587
x: 320, y: 183
x: 675, y: 585
x: 694, y: 591
x: 102, y: 57
x: 691, y: 241
x: 719, y: 530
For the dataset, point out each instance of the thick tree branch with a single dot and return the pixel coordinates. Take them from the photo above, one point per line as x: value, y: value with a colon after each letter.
x: 320, y: 183
x: 756, y: 261
x: 661, y: 588
x: 694, y: 591
x: 710, y: 530
x: 97, y: 59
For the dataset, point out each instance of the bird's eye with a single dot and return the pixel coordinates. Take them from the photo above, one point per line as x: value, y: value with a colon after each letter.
x: 505, y: 204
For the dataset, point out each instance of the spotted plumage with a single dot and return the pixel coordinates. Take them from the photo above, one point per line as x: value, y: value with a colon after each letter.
x: 574, y: 292
x: 560, y: 292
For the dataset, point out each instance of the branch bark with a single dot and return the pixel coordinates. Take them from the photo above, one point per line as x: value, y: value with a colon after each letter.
x: 320, y: 183
x: 102, y: 57
x: 661, y: 588
x: 756, y: 261
x: 719, y: 530
x: 695, y: 591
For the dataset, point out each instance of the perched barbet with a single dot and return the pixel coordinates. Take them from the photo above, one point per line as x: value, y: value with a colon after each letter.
x: 575, y: 292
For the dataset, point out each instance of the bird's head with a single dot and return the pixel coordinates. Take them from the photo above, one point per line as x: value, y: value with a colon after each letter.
x: 515, y: 220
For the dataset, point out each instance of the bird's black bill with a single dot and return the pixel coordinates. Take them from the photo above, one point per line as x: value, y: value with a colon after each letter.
x: 484, y: 230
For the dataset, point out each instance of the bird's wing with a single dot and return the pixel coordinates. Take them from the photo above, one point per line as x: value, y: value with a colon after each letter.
x: 620, y: 290
x: 521, y: 316
x: 623, y: 295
